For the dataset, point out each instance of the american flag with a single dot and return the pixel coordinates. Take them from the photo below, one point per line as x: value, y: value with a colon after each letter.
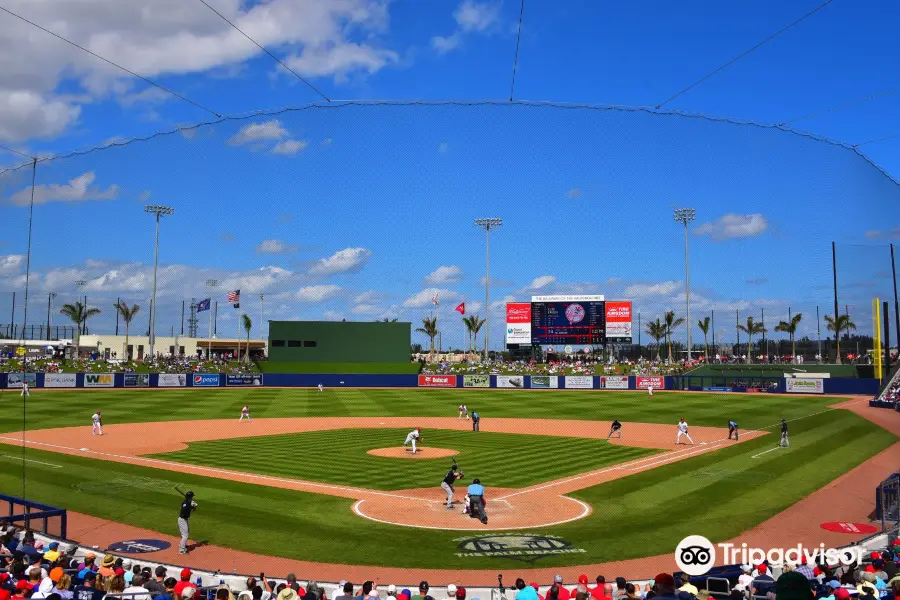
x: 234, y: 296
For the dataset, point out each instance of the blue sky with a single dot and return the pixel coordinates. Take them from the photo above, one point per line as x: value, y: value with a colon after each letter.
x: 362, y: 212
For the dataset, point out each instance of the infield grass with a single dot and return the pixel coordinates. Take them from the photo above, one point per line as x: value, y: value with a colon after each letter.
x: 339, y: 456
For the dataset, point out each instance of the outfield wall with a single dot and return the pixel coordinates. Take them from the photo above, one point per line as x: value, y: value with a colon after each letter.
x: 833, y: 385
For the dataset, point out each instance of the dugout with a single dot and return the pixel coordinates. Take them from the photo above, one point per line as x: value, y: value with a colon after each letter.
x: 339, y: 342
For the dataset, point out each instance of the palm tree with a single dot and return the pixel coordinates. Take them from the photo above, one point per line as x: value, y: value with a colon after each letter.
x: 670, y: 324
x: 477, y: 324
x: 429, y: 328
x: 386, y: 320
x: 703, y: 325
x: 751, y: 328
x: 467, y: 321
x: 842, y: 323
x: 79, y: 313
x: 247, y: 324
x: 127, y: 313
x: 790, y: 328
x: 657, y: 331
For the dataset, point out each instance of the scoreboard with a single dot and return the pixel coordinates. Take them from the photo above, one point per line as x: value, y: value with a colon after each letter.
x: 569, y: 320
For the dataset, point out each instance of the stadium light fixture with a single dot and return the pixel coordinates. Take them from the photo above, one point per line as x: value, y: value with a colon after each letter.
x: 487, y: 225
x: 685, y: 216
x: 159, y: 211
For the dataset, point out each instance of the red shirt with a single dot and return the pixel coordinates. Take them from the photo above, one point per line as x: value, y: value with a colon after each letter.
x: 564, y: 593
x: 598, y: 593
x: 179, y: 587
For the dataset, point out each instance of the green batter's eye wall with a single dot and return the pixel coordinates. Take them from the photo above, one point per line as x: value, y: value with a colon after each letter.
x: 330, y: 341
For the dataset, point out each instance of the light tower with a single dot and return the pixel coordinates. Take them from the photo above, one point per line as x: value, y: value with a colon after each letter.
x: 487, y: 225
x: 159, y: 211
x: 685, y: 216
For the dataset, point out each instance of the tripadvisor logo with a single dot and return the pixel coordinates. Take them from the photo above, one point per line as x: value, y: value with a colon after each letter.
x: 696, y: 555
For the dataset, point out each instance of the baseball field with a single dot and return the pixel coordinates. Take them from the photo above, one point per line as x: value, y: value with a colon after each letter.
x: 322, y: 477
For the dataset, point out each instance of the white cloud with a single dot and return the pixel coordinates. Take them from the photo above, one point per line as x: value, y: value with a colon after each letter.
x: 227, y: 237
x: 542, y: 282
x: 643, y: 290
x: 78, y: 189
x: 574, y: 194
x: 496, y: 282
x: 290, y: 147
x: 169, y: 38
x: 476, y: 16
x: 730, y: 226
x: 259, y: 132
x: 317, y: 293
x: 445, y: 43
x: 424, y: 298
x: 369, y: 297
x: 442, y: 275
x: 11, y: 264
x: 443, y: 147
x: 348, y: 260
x: 366, y: 309
x: 332, y: 315
x: 276, y: 247
x: 879, y: 234
x: 327, y: 141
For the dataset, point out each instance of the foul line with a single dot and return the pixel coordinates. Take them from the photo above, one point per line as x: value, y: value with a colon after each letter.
x: 359, y: 492
x: 766, y: 452
x: 585, y: 511
x: 37, y: 462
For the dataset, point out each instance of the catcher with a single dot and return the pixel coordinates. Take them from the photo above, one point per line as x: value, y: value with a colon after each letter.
x: 452, y: 476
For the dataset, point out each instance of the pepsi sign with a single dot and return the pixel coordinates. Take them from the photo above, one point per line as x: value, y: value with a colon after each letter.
x: 206, y: 380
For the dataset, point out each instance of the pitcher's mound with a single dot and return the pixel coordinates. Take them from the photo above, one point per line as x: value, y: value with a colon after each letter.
x: 402, y: 452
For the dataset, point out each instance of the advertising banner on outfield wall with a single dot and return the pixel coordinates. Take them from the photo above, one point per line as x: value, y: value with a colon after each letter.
x: 206, y: 380
x: 579, y: 382
x: 245, y: 379
x: 476, y: 381
x: 518, y: 323
x: 172, y: 380
x: 437, y: 380
x: 544, y: 382
x: 59, y: 380
x: 14, y: 380
x: 99, y: 380
x: 804, y: 386
x: 137, y: 380
x: 614, y: 382
x: 510, y: 381
x: 618, y: 320
x: 658, y: 383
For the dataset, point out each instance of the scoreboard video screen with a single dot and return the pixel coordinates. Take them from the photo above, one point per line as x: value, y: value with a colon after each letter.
x: 579, y: 321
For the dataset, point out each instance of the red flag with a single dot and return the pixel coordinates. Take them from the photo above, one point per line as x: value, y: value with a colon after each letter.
x: 461, y: 308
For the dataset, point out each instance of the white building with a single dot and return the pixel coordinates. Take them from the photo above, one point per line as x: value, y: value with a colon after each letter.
x: 113, y: 346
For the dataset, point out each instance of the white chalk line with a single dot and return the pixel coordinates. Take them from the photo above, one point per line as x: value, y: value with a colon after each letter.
x: 766, y: 452
x: 359, y: 492
x: 37, y: 462
x: 585, y: 511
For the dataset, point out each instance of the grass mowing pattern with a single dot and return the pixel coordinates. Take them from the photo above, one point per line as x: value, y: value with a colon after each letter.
x: 339, y: 456
x: 67, y: 408
x: 718, y: 495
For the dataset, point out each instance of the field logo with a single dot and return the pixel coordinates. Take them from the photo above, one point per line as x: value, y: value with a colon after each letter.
x: 98, y: 380
x: 695, y: 555
x: 526, y: 548
x: 139, y: 546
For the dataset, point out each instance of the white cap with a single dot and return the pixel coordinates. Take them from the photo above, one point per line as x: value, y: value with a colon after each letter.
x: 392, y: 589
x: 451, y: 589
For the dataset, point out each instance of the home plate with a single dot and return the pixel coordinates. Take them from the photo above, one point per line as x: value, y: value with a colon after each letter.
x: 382, y: 423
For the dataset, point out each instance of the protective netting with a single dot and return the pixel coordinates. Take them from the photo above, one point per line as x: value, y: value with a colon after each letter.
x: 365, y: 211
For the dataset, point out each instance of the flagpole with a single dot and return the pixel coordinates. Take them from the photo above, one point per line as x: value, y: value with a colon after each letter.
x: 210, y: 283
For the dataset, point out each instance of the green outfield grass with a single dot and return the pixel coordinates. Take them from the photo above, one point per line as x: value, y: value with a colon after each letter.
x: 717, y: 495
x: 505, y: 460
x: 51, y: 408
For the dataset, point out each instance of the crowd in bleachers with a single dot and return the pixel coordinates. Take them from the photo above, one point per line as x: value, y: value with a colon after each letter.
x: 892, y: 392
x: 31, y: 570
x: 97, y: 364
x: 562, y: 366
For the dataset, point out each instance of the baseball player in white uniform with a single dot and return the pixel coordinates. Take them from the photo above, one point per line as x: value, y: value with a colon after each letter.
x: 245, y: 412
x: 683, y: 431
x: 98, y: 424
x: 463, y: 412
x: 321, y: 388
x: 412, y: 437
x: 650, y: 390
x: 25, y: 393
